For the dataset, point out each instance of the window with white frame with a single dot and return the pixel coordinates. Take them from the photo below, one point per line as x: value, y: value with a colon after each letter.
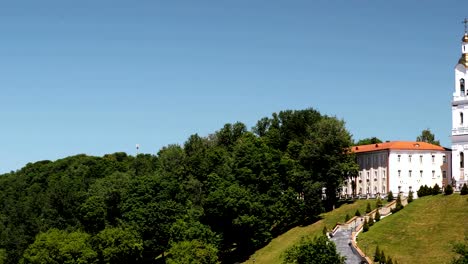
x: 399, y: 158
x: 433, y: 174
x: 433, y: 158
x: 409, y: 158
x: 409, y: 173
x: 420, y: 158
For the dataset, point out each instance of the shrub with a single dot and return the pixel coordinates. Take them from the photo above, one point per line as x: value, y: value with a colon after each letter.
x: 464, y: 190
x: 448, y: 190
x: 377, y: 216
x: 368, y: 208
x: 365, y: 228
x: 424, y: 191
x: 390, y: 196
x: 382, y: 257
x: 324, y: 230
x: 371, y: 221
x: 357, y: 213
x: 347, y: 218
x: 377, y: 254
x: 436, y: 189
x: 378, y: 203
x: 410, y: 196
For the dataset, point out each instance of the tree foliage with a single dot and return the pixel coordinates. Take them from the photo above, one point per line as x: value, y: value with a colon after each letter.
x: 427, y: 136
x: 317, y: 250
x: 368, y: 141
x: 231, y: 191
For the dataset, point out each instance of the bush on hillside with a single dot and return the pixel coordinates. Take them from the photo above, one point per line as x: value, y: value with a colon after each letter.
x: 378, y: 203
x: 464, y: 190
x: 347, y: 218
x: 368, y: 208
x: 424, y: 191
x: 371, y: 221
x: 377, y: 254
x: 377, y: 216
x: 436, y: 189
x: 448, y: 190
x: 365, y: 228
x: 398, y: 206
x: 410, y: 196
x: 390, y: 197
x: 357, y: 213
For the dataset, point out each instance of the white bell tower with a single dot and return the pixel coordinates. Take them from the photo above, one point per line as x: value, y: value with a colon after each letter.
x: 460, y: 117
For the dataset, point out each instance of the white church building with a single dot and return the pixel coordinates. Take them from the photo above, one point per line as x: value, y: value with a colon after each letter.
x: 404, y: 166
x: 459, y: 121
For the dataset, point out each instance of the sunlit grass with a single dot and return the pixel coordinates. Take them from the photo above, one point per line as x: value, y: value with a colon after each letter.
x: 271, y: 253
x: 422, y: 231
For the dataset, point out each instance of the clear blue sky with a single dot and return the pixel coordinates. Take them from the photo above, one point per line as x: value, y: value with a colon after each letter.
x: 97, y: 77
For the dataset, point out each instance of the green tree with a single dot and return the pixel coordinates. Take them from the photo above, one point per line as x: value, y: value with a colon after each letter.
x: 461, y: 249
x: 368, y: 208
x: 319, y: 250
x: 410, y: 196
x: 368, y: 141
x: 378, y: 203
x: 371, y: 221
x: 365, y: 227
x: 435, y: 189
x: 377, y: 255
x: 192, y: 252
x: 448, y: 190
x: 56, y: 246
x: 428, y: 136
x: 390, y: 196
x: 347, y: 218
x: 357, y: 213
x: 118, y: 245
x: 3, y: 256
x: 464, y: 189
x: 377, y: 216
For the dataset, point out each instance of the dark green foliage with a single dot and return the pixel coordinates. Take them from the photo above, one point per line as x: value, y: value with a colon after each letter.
x: 428, y: 136
x: 367, y: 141
x: 382, y: 257
x: 319, y: 250
x: 461, y: 249
x: 424, y: 191
x: 324, y: 230
x: 232, y: 191
x: 389, y: 260
x: 435, y: 189
x: 192, y: 252
x: 347, y: 218
x: 377, y: 216
x: 365, y: 227
x: 390, y: 197
x: 448, y: 190
x: 378, y: 203
x: 368, y: 208
x: 410, y: 196
x: 377, y: 254
x: 464, y: 190
x: 371, y: 221
x: 357, y: 213
x: 398, y: 205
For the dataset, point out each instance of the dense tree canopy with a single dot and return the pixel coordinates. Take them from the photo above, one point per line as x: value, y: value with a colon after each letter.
x: 214, y: 198
x: 368, y: 141
x: 428, y: 136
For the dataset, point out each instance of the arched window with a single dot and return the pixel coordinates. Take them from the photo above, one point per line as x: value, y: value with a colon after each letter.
x: 462, y: 86
x: 461, y: 118
x: 462, y: 160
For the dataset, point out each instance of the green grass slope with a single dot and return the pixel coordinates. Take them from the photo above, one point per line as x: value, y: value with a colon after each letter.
x: 422, y: 231
x: 271, y: 253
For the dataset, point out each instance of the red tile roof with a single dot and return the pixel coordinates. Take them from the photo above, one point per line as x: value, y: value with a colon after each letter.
x: 396, y: 145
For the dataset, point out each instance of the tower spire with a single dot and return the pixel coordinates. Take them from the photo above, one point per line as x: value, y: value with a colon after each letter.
x: 466, y: 25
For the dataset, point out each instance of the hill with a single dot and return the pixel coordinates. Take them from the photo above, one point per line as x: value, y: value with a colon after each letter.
x: 271, y: 253
x: 422, y: 232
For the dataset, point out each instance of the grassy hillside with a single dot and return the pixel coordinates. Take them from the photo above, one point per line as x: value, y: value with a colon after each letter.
x: 422, y: 232
x: 271, y: 253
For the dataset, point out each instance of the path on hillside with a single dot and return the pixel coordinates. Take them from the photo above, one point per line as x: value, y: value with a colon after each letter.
x: 342, y: 238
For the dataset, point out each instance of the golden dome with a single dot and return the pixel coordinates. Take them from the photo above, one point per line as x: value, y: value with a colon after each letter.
x: 465, y: 38
x: 464, y: 60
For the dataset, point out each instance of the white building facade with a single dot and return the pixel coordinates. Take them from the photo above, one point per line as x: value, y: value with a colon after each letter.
x: 399, y: 167
x: 459, y: 119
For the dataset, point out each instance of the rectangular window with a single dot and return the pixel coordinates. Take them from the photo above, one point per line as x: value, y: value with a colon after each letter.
x: 433, y: 174
x: 420, y: 158
x: 383, y: 174
x: 399, y: 173
x: 399, y: 157
x: 368, y: 175
x: 444, y: 159
x: 433, y: 158
x: 420, y: 173
x: 409, y: 173
x: 444, y: 174
x: 409, y: 158
x: 375, y: 175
